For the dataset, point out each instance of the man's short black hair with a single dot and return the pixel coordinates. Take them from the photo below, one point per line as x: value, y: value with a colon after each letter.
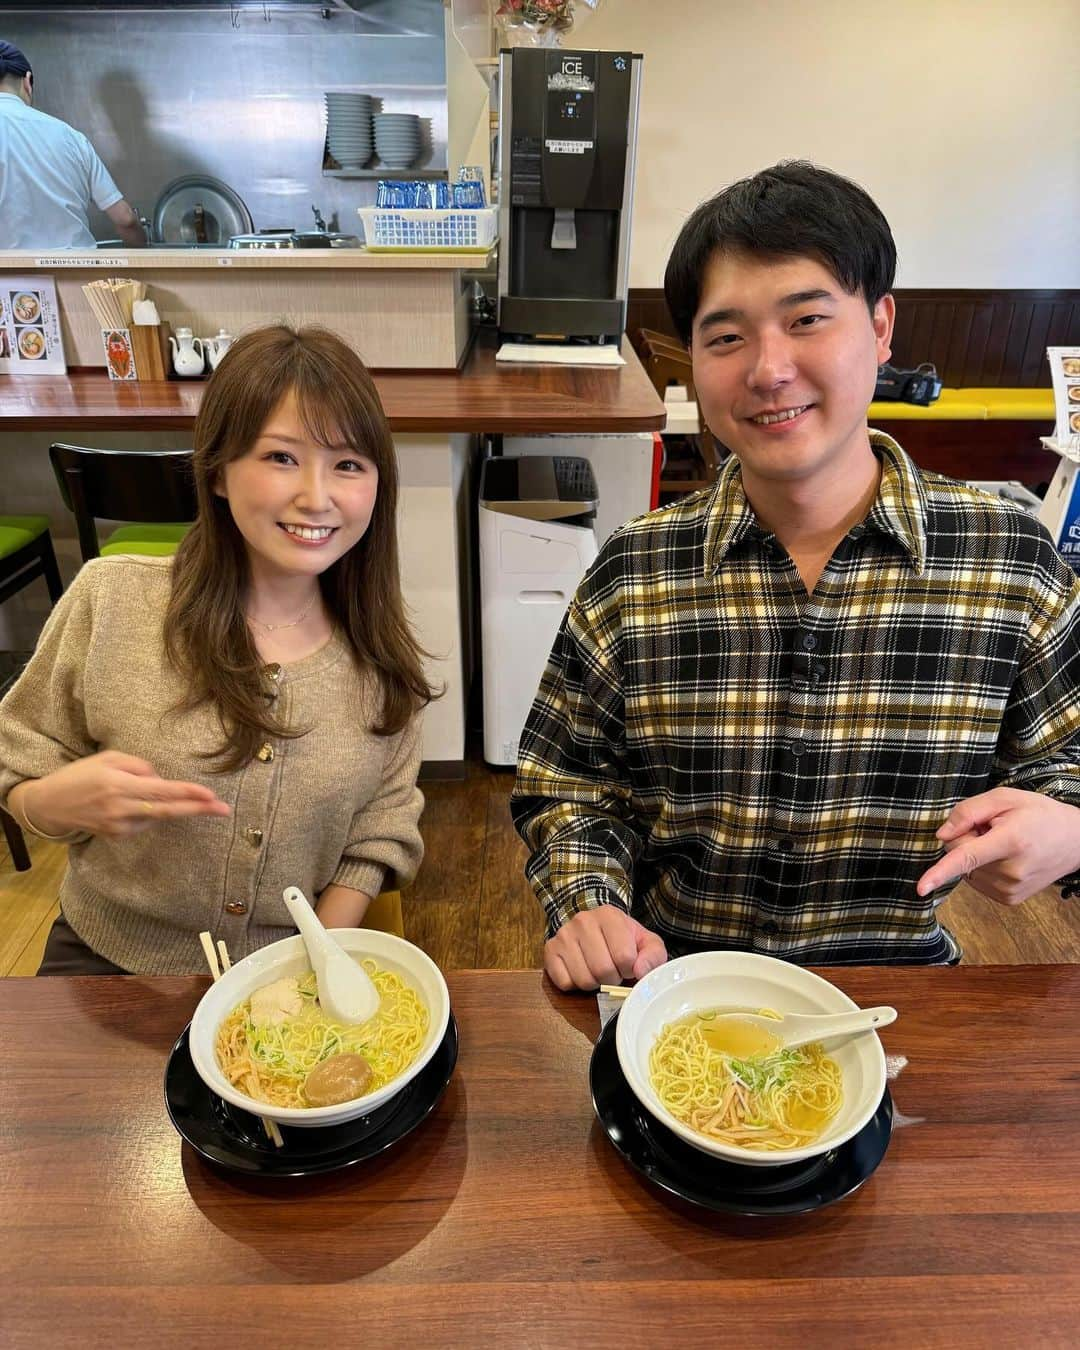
x: 794, y: 209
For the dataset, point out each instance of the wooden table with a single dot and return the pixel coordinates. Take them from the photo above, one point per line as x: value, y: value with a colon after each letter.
x: 508, y: 1219
x: 522, y: 400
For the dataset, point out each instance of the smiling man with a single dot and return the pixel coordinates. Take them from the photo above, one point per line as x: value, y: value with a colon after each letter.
x: 788, y: 713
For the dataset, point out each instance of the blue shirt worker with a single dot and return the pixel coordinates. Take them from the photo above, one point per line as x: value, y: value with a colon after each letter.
x: 50, y: 173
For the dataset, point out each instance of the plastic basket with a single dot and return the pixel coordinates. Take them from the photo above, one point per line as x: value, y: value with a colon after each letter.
x: 403, y: 231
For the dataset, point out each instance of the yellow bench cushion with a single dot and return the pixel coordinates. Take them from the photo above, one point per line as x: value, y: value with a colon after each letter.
x: 1003, y: 405
x: 972, y: 405
x: 954, y: 405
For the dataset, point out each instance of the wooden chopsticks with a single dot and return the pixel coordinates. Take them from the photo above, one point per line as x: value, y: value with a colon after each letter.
x: 619, y: 991
x: 270, y: 1126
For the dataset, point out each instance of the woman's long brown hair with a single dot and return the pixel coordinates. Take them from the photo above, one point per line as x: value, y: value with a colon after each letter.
x: 207, y: 638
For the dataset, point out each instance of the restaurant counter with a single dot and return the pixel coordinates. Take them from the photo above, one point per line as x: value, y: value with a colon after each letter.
x: 507, y: 1217
x: 397, y: 309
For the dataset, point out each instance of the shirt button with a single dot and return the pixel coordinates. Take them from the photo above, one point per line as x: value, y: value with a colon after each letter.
x: 769, y: 928
x: 785, y: 845
x: 265, y: 753
x: 253, y: 836
x: 809, y: 642
x: 236, y: 907
x: 797, y: 747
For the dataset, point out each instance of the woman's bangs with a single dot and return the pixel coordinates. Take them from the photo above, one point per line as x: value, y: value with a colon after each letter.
x: 336, y: 413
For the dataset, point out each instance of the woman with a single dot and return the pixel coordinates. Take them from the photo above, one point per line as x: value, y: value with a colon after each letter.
x: 205, y: 731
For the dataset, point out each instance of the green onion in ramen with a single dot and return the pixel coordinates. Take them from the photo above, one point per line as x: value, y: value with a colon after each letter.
x: 280, y: 1048
x: 734, y: 1082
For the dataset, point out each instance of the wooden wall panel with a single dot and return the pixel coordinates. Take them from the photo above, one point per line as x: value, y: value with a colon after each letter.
x: 975, y: 338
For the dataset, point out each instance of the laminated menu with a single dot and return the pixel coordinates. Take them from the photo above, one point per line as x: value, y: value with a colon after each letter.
x: 1065, y: 374
x: 1061, y: 507
x: 30, y: 341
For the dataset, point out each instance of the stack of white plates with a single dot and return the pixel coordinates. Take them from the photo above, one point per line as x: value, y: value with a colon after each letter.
x: 348, y: 129
x: 397, y: 138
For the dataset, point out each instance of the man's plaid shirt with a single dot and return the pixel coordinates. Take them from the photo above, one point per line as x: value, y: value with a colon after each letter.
x: 740, y: 764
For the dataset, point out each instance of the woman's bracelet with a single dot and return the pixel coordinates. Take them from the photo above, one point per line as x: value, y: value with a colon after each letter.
x: 29, y: 825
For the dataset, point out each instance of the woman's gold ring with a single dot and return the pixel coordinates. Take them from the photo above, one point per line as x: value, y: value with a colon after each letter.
x: 148, y: 807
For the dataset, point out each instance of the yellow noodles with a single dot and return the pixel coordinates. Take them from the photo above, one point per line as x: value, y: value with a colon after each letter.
x: 270, y: 1063
x: 775, y: 1101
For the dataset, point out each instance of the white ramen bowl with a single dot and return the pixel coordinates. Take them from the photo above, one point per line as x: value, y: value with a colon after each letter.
x: 747, y: 982
x: 289, y: 957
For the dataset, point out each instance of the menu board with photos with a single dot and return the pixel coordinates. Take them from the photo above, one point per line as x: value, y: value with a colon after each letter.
x: 1065, y: 374
x: 30, y: 342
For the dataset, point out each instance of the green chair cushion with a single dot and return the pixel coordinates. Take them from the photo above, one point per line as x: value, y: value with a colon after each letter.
x: 18, y: 531
x: 156, y: 534
x: 147, y: 548
x: 150, y: 540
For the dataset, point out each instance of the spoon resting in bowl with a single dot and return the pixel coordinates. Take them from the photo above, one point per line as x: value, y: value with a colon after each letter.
x: 346, y: 992
x: 791, y: 1030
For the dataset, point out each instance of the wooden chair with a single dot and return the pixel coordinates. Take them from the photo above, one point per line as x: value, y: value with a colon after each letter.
x: 152, y: 488
x: 26, y: 553
x: 666, y: 362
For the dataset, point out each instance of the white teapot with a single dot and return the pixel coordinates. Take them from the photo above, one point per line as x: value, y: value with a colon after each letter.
x: 216, y: 347
x: 187, y: 353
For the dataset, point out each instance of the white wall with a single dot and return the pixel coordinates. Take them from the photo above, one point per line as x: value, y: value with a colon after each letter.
x: 960, y: 117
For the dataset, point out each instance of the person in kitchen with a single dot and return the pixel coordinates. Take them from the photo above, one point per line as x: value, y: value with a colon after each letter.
x: 50, y: 173
x: 772, y: 705
x: 206, y: 731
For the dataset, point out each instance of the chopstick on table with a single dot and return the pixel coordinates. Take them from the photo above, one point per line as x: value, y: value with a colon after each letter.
x: 270, y: 1126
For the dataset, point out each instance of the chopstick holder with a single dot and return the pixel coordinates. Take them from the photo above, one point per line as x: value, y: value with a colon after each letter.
x: 149, y: 342
x: 270, y: 1126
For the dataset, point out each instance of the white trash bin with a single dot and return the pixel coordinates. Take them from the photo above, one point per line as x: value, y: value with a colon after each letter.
x: 537, y: 539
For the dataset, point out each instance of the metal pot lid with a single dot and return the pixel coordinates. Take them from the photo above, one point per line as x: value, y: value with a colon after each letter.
x: 199, y: 205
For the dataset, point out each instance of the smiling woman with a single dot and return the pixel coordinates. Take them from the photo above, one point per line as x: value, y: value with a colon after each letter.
x: 259, y: 695
x: 297, y: 484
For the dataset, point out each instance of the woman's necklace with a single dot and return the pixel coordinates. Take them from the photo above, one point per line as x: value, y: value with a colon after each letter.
x: 276, y: 627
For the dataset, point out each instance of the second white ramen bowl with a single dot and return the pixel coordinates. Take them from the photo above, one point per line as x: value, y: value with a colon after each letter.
x: 748, y: 982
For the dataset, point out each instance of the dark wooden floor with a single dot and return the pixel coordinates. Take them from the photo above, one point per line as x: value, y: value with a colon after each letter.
x: 471, y: 906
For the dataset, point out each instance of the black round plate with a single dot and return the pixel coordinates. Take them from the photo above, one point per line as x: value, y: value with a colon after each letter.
x: 680, y: 1169
x: 234, y: 1139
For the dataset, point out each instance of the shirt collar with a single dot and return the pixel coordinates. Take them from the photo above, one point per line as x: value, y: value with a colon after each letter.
x: 898, y: 512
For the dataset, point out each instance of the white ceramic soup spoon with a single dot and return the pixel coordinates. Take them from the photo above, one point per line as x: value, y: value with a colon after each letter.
x: 794, y: 1029
x: 346, y: 992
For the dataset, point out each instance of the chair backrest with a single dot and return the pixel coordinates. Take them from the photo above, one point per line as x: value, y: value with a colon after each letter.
x: 665, y: 361
x: 136, y: 485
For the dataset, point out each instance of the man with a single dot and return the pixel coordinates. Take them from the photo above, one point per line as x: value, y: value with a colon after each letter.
x: 771, y: 705
x: 50, y: 173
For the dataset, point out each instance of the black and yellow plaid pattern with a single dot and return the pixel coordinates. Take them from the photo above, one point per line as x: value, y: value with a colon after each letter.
x: 742, y: 765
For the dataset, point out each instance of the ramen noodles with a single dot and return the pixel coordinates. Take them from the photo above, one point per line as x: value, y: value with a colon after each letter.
x: 26, y: 308
x: 734, y: 1083
x: 32, y: 343
x: 280, y: 1048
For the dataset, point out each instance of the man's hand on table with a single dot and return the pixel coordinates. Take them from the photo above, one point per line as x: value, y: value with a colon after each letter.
x: 601, y: 946
x: 1008, y: 844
